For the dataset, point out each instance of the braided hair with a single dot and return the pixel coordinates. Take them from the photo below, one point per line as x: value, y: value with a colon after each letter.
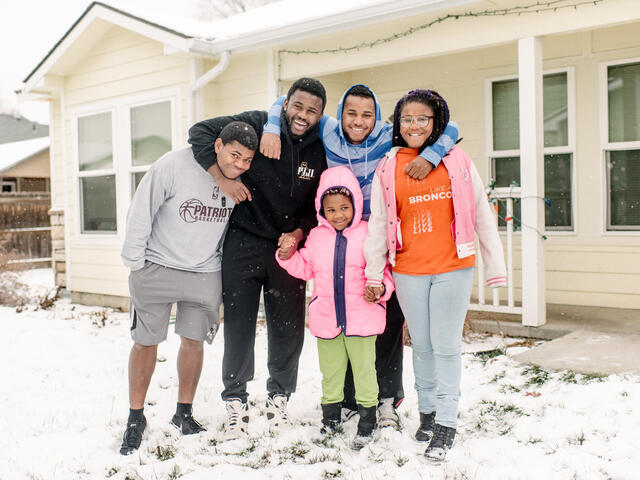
x: 440, y: 115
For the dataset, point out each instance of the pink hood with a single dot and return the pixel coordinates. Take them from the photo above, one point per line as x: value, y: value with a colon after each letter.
x: 340, y: 177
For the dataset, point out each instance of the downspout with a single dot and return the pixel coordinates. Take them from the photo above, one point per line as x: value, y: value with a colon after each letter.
x: 198, y: 83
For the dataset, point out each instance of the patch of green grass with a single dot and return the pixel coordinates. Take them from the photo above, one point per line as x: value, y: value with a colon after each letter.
x: 112, y: 471
x: 577, y: 440
x: 537, y: 376
x: 261, y: 462
x: 328, y: 474
x: 484, y: 357
x: 497, y: 377
x: 294, y: 452
x: 175, y: 473
x: 401, y: 460
x: 509, y: 389
x: 165, y: 453
x: 325, y: 457
x: 591, y: 377
x: 569, y: 377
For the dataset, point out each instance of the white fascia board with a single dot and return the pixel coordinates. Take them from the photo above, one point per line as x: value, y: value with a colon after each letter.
x: 329, y: 24
x: 98, y: 11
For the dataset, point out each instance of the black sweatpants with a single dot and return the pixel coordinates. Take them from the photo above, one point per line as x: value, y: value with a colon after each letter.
x: 248, y: 265
x: 389, y: 346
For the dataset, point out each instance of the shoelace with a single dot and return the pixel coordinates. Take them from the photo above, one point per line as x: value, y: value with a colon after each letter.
x: 234, y: 413
x: 132, y: 435
x: 281, y: 407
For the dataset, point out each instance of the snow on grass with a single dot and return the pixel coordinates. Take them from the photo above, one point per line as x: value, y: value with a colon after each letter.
x: 64, y: 398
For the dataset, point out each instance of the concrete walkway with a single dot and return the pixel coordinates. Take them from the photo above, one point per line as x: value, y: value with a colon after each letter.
x: 598, y: 341
x: 589, y: 352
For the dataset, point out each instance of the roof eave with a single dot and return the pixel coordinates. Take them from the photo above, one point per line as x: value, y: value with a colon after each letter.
x: 359, y: 17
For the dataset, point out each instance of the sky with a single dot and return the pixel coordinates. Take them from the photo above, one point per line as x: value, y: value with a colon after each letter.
x: 30, y: 28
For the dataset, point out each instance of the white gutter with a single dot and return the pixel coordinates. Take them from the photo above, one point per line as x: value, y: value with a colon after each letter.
x: 198, y: 84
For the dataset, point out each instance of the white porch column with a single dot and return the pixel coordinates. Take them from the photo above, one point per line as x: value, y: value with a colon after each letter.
x: 532, y: 180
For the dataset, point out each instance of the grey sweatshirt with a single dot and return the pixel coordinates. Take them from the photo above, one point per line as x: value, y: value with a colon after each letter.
x: 177, y: 218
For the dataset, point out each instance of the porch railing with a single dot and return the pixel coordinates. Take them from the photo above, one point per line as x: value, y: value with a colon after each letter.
x: 495, y: 304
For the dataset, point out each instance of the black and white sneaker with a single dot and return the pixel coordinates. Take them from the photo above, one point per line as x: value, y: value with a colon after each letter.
x: 427, y: 425
x: 277, y: 410
x: 187, y: 424
x: 441, y: 443
x: 237, y: 419
x: 133, y: 436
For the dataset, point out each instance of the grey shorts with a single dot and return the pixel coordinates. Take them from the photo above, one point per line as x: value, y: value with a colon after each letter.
x: 155, y: 288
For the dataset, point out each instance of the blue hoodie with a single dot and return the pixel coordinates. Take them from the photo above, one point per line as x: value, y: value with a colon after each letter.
x: 364, y: 158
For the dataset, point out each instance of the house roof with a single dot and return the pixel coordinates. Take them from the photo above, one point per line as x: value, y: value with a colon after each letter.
x: 14, y: 128
x: 11, y: 154
x: 272, y: 24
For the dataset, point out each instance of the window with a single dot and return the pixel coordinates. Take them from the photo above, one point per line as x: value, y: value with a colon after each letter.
x: 622, y: 150
x: 96, y: 174
x: 115, y: 145
x: 558, y: 158
x: 150, y: 137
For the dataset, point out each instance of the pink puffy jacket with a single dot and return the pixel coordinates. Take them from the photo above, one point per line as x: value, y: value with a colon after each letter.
x: 335, y: 260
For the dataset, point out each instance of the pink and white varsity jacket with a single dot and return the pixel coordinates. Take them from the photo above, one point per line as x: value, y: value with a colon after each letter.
x: 471, y: 211
x: 335, y: 260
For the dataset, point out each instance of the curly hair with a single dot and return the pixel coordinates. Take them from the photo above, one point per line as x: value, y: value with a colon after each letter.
x: 440, y: 115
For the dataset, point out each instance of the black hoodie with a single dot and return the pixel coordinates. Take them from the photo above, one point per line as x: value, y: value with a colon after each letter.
x: 283, y: 190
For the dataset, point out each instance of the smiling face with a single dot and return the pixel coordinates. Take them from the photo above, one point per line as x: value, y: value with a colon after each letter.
x: 233, y: 158
x: 358, y: 118
x: 338, y: 210
x: 303, y: 111
x: 416, y: 123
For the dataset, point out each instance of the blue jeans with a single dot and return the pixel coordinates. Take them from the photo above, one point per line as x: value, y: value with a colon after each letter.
x: 435, y: 307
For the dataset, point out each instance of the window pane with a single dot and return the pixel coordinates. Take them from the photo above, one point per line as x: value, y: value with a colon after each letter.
x: 135, y: 181
x: 555, y: 110
x: 150, y: 133
x: 98, y: 200
x: 623, y: 83
x: 506, y: 131
x: 506, y: 171
x: 95, y: 148
x: 624, y: 189
x: 557, y: 190
x: 557, y: 187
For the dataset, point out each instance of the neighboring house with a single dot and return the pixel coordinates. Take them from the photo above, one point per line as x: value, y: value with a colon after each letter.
x: 124, y: 89
x: 24, y: 166
x: 15, y: 128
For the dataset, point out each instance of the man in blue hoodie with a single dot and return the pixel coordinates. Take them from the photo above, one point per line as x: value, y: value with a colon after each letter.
x: 359, y: 139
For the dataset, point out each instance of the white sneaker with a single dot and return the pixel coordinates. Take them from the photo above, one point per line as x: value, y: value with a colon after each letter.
x: 387, y: 415
x: 237, y: 419
x: 347, y: 414
x: 277, y: 411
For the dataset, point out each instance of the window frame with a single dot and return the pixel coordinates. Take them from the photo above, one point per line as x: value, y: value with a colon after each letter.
x: 569, y: 149
x: 606, y: 146
x: 120, y: 109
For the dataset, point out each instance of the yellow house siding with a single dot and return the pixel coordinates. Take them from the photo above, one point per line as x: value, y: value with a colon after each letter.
x: 123, y: 65
x: 242, y: 86
x: 57, y: 154
x: 36, y: 166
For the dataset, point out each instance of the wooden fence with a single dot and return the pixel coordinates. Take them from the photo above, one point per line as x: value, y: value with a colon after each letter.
x: 25, y: 228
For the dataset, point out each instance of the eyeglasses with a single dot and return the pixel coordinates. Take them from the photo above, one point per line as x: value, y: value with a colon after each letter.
x: 421, y: 120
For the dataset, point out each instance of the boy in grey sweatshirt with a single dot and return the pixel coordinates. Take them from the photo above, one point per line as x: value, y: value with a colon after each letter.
x: 175, y: 228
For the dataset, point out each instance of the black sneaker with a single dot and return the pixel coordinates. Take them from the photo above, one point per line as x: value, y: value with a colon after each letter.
x: 187, y: 424
x: 366, y: 426
x: 427, y: 425
x: 441, y: 443
x: 133, y: 436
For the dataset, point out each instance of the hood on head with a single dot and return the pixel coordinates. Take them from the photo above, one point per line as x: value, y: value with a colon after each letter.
x: 377, y: 126
x: 339, y: 177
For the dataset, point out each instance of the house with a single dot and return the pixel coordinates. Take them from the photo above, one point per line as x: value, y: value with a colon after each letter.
x: 546, y: 93
x: 24, y: 155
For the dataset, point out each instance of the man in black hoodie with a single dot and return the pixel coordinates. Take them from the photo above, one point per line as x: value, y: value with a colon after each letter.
x: 279, y: 209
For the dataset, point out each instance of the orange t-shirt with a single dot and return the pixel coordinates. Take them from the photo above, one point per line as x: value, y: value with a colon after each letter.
x: 425, y: 209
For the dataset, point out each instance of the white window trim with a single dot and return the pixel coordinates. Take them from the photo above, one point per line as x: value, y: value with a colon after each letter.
x: 122, y: 168
x: 568, y: 149
x: 605, y: 146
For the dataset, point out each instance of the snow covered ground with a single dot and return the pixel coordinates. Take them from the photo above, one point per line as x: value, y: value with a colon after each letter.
x: 64, y: 405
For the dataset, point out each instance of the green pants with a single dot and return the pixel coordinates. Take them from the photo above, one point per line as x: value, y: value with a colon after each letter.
x: 333, y: 355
